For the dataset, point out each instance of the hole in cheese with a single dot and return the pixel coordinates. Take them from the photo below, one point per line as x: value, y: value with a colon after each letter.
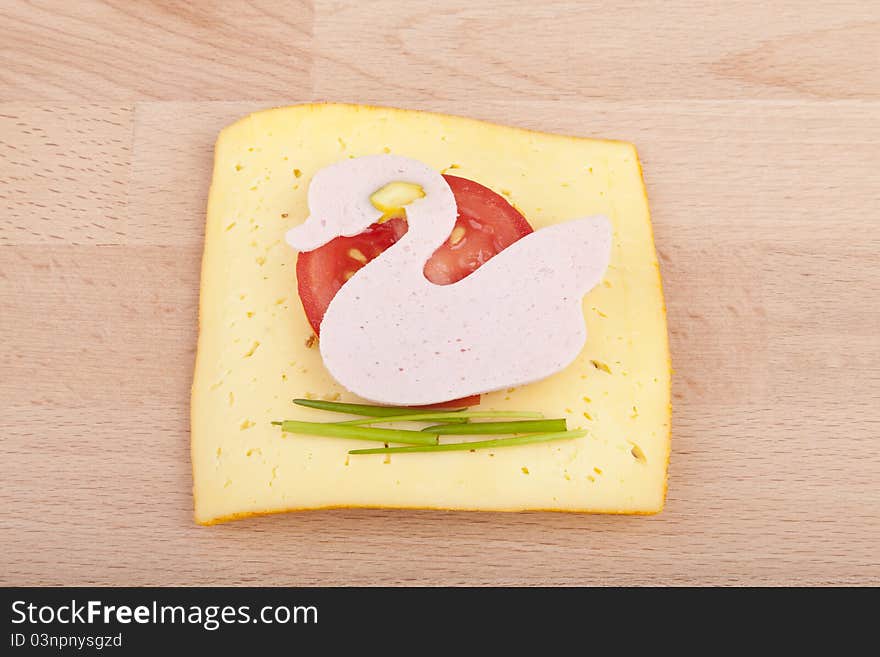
x: 599, y: 365
x: 638, y: 454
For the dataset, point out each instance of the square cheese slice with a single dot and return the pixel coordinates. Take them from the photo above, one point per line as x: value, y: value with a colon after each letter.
x: 256, y: 351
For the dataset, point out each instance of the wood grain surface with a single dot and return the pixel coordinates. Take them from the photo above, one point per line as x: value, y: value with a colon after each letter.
x: 758, y: 125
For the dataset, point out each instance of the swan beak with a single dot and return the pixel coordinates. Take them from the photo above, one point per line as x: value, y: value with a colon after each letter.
x: 310, y: 234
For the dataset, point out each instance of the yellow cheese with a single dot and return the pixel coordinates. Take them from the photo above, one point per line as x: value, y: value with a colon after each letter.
x: 256, y: 351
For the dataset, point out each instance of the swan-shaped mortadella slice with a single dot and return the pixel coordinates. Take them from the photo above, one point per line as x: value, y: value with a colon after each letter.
x: 393, y: 337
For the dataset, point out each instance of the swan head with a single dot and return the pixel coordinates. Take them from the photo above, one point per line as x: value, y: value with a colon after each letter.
x: 339, y: 196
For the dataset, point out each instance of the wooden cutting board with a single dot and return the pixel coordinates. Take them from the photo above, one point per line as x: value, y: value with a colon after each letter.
x: 759, y: 130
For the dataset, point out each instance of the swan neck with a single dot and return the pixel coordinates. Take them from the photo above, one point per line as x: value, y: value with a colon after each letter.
x: 430, y: 221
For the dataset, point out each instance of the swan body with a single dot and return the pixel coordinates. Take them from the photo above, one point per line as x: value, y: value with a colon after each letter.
x: 393, y: 337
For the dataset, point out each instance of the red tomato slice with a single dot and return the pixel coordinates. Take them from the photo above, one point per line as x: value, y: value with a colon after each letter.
x: 486, y: 225
x: 320, y: 273
x: 464, y: 402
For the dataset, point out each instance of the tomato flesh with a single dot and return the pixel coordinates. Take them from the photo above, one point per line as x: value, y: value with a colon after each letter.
x: 464, y: 402
x: 486, y: 224
x: 320, y: 273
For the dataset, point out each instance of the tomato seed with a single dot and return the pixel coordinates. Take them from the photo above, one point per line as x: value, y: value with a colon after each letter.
x: 456, y: 236
x: 357, y: 254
